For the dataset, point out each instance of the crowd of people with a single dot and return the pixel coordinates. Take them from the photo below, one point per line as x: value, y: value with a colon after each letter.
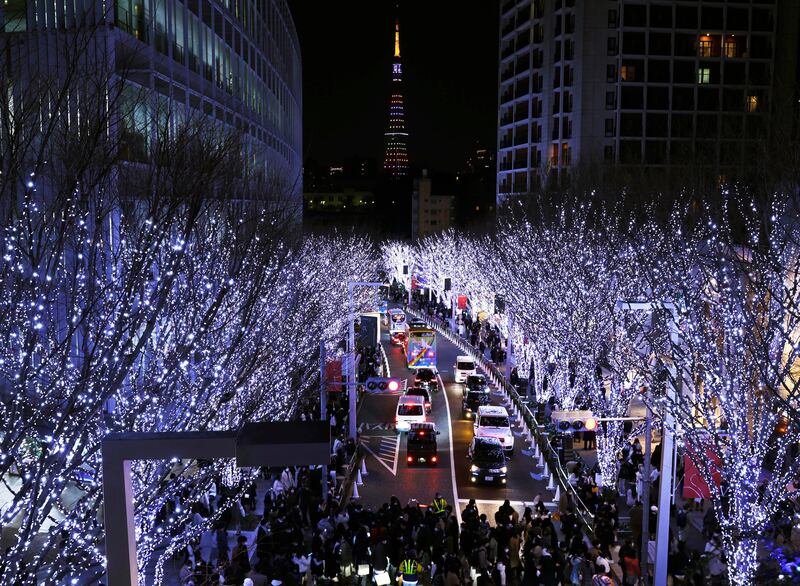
x: 303, y: 540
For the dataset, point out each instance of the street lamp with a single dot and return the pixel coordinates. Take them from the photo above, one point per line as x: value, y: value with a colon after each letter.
x: 667, y: 438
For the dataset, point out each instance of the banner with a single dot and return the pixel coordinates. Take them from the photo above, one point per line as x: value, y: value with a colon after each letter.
x: 462, y: 301
x: 333, y: 376
x: 694, y: 487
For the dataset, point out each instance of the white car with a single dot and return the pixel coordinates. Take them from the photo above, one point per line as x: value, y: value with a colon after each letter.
x: 493, y: 421
x: 410, y: 409
x: 464, y: 367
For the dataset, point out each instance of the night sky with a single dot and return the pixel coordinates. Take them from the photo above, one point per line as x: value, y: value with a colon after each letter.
x: 449, y: 52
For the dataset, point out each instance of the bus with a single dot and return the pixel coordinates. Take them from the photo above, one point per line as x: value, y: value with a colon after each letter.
x: 397, y: 320
x: 421, y: 348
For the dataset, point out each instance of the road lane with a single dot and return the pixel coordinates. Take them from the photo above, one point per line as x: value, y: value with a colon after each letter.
x: 376, y: 417
x: 376, y: 423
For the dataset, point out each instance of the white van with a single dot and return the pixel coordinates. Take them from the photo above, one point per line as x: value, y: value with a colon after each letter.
x: 463, y: 367
x: 410, y: 409
x: 493, y: 421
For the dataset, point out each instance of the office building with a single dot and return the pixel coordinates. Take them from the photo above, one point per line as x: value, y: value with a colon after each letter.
x: 236, y: 62
x: 679, y: 88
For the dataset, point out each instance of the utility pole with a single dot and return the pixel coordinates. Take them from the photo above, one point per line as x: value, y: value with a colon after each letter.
x: 667, y: 440
x: 648, y: 454
x: 323, y: 410
x: 510, y: 348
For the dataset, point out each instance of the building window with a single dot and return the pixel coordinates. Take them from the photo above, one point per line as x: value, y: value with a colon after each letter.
x: 752, y: 103
x: 612, y: 18
x: 556, y: 103
x: 703, y: 75
x: 608, y: 153
x: 566, y: 154
x: 611, y: 100
x: 612, y: 46
x: 611, y: 73
x: 704, y: 46
x: 567, y: 105
x: 567, y: 131
x: 730, y: 47
x: 610, y: 127
x: 628, y: 73
x: 554, y: 155
x: 569, y: 49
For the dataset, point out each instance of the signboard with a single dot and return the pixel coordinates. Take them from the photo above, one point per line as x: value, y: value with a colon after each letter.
x: 370, y: 332
x: 333, y: 376
x: 462, y: 301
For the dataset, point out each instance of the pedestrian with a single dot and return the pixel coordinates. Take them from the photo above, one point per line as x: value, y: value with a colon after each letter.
x: 681, y: 520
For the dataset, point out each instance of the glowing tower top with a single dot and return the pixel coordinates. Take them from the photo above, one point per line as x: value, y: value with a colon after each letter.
x: 395, y: 160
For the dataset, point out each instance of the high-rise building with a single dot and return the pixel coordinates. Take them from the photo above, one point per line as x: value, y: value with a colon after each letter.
x: 235, y: 62
x: 673, y: 87
x: 395, y: 160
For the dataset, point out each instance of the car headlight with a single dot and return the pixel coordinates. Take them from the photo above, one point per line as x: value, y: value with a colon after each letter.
x: 504, y: 469
x: 473, y: 468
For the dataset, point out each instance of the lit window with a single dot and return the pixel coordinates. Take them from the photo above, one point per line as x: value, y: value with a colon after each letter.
x: 704, y: 46
x: 752, y: 103
x: 628, y: 72
x: 703, y: 75
x: 730, y: 47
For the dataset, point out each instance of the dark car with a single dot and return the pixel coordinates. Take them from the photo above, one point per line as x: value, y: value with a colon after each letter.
x: 426, y: 379
x: 472, y: 400
x: 488, y: 461
x: 476, y: 382
x: 421, y: 447
x: 424, y: 393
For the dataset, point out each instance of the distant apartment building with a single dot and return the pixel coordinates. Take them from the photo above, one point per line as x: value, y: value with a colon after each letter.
x: 429, y: 213
x: 661, y: 85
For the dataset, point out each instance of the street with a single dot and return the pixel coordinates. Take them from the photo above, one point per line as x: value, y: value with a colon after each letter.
x: 390, y: 475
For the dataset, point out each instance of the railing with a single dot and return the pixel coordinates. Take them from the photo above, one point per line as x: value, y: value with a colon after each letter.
x: 344, y: 489
x: 533, y: 431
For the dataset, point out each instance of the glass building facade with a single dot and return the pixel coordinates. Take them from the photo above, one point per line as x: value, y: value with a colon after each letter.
x: 236, y: 61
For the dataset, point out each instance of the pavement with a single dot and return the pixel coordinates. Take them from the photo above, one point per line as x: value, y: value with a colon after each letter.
x: 390, y: 475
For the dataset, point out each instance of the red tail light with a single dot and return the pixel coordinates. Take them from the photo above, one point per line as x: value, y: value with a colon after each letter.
x: 410, y: 459
x: 434, y: 459
x: 427, y: 405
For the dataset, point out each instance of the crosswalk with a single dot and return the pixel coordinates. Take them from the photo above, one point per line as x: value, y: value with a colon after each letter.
x: 385, y: 449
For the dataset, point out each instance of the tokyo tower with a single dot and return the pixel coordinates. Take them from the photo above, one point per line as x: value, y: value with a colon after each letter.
x: 395, y: 160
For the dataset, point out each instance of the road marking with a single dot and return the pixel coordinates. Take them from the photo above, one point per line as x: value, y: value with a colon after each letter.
x: 387, y: 452
x: 452, y: 453
x: 366, y: 426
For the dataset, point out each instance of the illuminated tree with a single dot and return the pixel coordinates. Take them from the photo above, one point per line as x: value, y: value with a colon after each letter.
x: 738, y: 322
x: 396, y: 258
x: 159, y: 295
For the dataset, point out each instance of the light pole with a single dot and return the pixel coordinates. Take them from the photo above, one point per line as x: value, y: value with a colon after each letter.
x: 352, y: 389
x: 667, y: 438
